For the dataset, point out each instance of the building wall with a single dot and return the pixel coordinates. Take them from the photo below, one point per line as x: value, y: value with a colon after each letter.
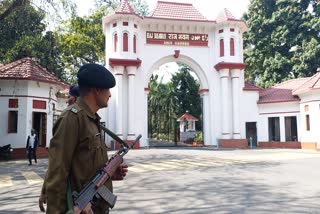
x: 11, y: 89
x: 61, y: 105
x: 249, y: 110
x: 280, y: 110
x: 26, y: 92
x: 310, y: 99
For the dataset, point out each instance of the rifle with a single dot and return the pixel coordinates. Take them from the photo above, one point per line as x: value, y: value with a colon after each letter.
x: 113, y: 135
x: 95, y: 188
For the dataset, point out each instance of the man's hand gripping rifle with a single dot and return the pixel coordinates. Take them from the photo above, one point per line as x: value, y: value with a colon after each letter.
x: 96, y: 188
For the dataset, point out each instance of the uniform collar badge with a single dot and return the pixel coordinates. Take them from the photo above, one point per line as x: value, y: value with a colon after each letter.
x: 74, y: 110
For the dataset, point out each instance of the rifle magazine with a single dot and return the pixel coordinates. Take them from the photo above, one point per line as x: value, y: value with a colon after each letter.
x: 107, y: 195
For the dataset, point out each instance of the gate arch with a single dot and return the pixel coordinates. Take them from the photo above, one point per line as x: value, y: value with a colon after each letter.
x: 192, y: 40
x: 204, y: 88
x: 183, y: 59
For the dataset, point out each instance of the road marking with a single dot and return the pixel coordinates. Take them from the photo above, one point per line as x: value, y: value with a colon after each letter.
x: 165, y: 164
x: 214, y: 163
x: 180, y: 163
x: 32, y: 177
x: 5, y: 181
x: 191, y: 162
x: 151, y: 166
x: 136, y: 169
x: 141, y: 167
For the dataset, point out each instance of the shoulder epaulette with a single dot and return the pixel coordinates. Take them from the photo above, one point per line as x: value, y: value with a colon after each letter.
x: 75, y: 108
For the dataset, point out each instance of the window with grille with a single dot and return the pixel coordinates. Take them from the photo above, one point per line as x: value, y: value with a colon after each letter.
x: 13, y: 122
x: 274, y: 128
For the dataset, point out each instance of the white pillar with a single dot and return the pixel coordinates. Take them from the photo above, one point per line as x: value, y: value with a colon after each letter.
x: 146, y: 143
x: 118, y: 72
x: 131, y: 98
x: 227, y: 44
x: 224, y: 78
x: 282, y: 129
x: 235, y: 75
x: 130, y: 42
x: 120, y: 42
x: 206, y: 118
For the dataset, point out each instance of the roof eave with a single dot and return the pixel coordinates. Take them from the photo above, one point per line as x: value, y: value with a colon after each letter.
x: 304, y: 91
x: 251, y: 89
x: 108, y: 19
x: 279, y: 101
x: 179, y: 20
x: 30, y: 79
x: 242, y: 24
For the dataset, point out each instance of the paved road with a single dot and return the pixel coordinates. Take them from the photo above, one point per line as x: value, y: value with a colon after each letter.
x: 191, y: 180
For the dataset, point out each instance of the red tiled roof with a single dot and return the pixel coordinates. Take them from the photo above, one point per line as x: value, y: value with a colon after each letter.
x: 125, y: 8
x: 26, y: 69
x: 291, y: 84
x: 251, y: 87
x: 187, y: 117
x: 312, y: 83
x: 179, y: 11
x: 277, y: 95
x: 287, y: 91
x: 225, y: 15
x: 281, y: 92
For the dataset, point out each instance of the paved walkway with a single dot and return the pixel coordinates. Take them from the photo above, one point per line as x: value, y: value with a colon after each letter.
x: 191, y: 180
x: 32, y: 175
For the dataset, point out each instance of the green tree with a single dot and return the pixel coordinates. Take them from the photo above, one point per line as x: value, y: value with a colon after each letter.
x: 156, y: 104
x: 53, y: 8
x: 76, y: 41
x: 168, y: 101
x: 22, y: 34
x: 7, y: 7
x: 186, y: 96
x: 81, y: 41
x: 140, y: 6
x: 283, y: 40
x: 161, y: 109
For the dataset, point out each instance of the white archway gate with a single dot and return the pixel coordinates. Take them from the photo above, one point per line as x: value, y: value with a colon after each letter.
x: 203, y: 87
x: 136, y: 46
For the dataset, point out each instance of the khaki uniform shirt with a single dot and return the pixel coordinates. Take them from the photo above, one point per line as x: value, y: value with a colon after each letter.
x: 76, y: 151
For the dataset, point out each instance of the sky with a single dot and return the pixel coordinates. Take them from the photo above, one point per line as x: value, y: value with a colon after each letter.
x: 209, y: 8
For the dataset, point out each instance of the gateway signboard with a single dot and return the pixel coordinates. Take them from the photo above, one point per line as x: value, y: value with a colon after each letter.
x: 180, y: 39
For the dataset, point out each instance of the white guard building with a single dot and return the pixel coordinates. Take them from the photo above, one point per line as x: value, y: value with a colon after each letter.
x: 29, y: 99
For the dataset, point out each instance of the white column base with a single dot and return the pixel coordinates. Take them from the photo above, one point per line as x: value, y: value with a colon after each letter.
x: 236, y: 136
x: 131, y: 137
x: 226, y: 136
x: 120, y: 136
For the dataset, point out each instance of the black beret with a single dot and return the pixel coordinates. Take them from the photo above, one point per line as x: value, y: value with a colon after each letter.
x: 95, y: 76
x: 74, y: 90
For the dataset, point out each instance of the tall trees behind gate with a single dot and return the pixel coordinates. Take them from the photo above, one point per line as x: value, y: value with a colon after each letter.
x: 283, y: 41
x: 168, y: 101
x: 74, y: 41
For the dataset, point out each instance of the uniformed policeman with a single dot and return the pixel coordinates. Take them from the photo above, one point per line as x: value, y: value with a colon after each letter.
x: 72, y: 98
x: 77, y: 150
x: 73, y: 94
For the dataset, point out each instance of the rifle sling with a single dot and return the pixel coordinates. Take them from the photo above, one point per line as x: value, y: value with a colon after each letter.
x: 69, y: 198
x: 113, y: 135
